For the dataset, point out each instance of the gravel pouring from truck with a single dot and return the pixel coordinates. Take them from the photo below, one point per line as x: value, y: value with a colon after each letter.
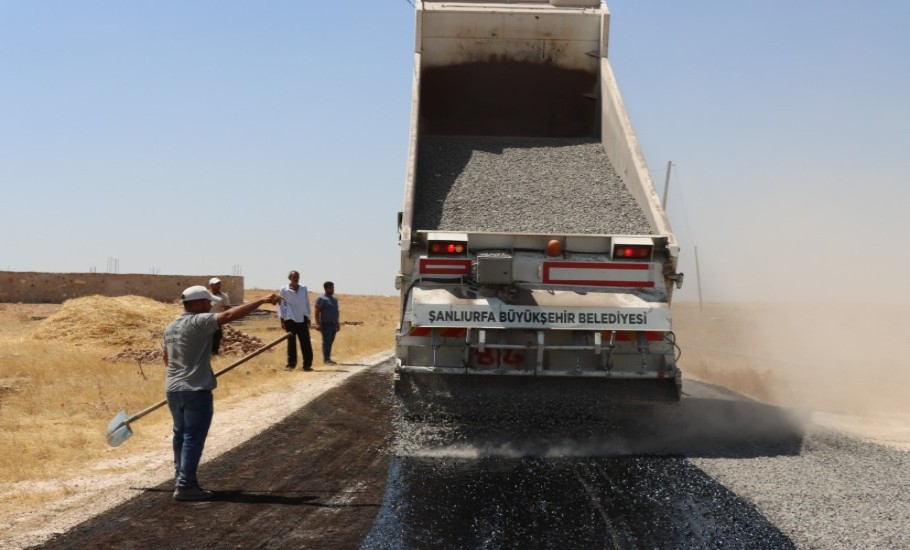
x: 533, y: 245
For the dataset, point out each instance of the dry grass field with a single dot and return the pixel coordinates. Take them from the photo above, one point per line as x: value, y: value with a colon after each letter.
x: 58, y: 392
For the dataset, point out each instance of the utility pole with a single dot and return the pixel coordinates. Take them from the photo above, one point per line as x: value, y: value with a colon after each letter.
x: 698, y: 279
x: 663, y: 203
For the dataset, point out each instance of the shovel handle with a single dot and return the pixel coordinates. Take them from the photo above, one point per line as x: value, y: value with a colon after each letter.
x: 142, y: 413
x: 233, y: 365
x: 246, y: 358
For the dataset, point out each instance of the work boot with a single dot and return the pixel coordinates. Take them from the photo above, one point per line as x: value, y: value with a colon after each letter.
x: 192, y: 493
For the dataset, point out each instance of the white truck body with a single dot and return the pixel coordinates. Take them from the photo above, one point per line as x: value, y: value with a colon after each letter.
x: 505, y: 286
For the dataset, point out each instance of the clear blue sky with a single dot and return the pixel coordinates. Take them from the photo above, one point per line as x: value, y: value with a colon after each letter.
x: 192, y: 137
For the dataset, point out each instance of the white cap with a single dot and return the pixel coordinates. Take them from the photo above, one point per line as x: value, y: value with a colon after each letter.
x: 214, y: 280
x: 197, y: 292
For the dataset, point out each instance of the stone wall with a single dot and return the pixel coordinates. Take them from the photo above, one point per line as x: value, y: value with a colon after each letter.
x: 53, y: 288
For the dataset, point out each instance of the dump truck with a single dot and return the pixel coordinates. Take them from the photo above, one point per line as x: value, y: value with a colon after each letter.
x: 536, y: 258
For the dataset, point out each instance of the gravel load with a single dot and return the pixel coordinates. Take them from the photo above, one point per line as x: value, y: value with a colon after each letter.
x: 522, y: 185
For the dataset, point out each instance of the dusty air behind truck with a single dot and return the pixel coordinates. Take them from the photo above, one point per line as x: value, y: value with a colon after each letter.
x: 535, y: 256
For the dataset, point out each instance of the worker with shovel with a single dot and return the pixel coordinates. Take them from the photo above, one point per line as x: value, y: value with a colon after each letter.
x: 190, y: 380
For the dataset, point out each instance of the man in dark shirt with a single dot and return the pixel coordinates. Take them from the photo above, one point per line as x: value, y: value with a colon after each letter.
x: 327, y: 320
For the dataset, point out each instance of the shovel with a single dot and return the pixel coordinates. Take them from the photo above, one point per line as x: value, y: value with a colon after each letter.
x: 119, y: 430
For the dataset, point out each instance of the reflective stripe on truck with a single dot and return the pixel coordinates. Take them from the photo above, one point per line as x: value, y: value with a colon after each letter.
x: 598, y: 274
x: 445, y: 332
x: 444, y: 266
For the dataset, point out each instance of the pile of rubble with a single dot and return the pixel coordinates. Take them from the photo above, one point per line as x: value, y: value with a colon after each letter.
x: 233, y: 342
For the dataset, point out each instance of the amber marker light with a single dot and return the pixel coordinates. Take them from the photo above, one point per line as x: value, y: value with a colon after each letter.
x: 554, y: 248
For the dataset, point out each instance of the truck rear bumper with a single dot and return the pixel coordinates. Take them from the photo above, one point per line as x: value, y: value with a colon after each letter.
x: 619, y: 375
x: 445, y: 393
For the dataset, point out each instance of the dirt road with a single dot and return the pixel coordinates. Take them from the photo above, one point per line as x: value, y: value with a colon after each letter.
x: 714, y: 471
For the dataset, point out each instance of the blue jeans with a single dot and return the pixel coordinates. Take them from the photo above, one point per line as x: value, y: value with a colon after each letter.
x: 192, y: 412
x: 328, y: 337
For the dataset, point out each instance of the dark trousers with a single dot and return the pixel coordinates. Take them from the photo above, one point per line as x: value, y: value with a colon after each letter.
x: 302, y: 332
x: 328, y: 337
x: 216, y: 341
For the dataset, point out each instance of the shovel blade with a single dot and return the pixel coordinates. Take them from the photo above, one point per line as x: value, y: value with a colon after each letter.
x: 118, y: 430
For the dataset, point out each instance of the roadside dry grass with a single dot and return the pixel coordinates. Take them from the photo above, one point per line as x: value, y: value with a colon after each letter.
x: 57, y: 393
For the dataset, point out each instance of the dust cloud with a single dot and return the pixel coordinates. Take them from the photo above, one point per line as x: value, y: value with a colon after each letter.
x: 847, y: 362
x: 803, y: 306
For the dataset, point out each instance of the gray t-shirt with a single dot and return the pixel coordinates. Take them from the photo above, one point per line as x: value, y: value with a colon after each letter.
x: 188, y: 341
x: 328, y: 308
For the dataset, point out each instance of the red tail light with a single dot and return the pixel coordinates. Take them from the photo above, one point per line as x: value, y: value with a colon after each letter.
x: 448, y: 248
x: 632, y: 252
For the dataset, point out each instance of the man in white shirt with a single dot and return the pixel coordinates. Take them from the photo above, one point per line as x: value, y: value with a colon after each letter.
x: 222, y: 303
x: 294, y: 314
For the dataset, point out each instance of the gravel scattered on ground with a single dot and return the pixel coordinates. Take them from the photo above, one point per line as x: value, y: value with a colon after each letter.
x: 838, y: 492
x: 716, y: 470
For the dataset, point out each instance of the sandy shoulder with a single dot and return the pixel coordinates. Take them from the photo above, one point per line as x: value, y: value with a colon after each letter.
x: 92, y: 494
x: 891, y: 431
